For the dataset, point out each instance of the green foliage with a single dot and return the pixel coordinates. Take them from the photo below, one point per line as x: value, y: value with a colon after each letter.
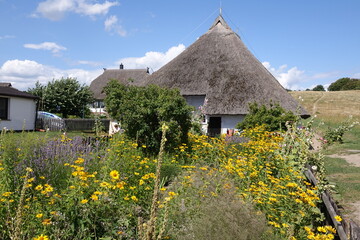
x: 65, y: 96
x: 319, y: 88
x: 99, y: 127
x: 274, y: 118
x: 141, y: 111
x: 333, y: 135
x: 345, y: 84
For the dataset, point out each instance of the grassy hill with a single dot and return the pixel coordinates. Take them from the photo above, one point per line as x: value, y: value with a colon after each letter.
x: 330, y: 106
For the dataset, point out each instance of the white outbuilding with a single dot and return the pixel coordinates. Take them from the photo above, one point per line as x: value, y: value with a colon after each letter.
x: 17, y: 109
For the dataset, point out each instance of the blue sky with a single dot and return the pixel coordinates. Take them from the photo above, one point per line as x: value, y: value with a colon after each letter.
x: 303, y: 43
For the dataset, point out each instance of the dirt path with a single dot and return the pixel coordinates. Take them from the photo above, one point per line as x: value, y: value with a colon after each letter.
x: 352, y: 157
x: 316, y: 102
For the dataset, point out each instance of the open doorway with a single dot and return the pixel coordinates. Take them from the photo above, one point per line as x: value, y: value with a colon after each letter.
x: 214, y: 127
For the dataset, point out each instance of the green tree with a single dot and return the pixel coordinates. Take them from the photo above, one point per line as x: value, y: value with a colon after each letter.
x: 65, y: 96
x: 343, y: 84
x: 142, y: 110
x: 274, y: 118
x: 319, y: 88
x: 353, y: 84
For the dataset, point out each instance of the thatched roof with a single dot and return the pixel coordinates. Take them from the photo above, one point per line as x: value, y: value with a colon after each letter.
x: 137, y: 76
x: 221, y: 67
x: 7, y: 90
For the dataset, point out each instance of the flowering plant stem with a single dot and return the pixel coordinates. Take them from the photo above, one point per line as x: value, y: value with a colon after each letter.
x: 150, y: 233
x: 18, y: 217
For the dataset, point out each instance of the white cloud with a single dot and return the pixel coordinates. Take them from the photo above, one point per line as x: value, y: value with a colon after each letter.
x: 110, y: 22
x: 6, y: 37
x: 289, y: 78
x: 49, y: 46
x: 56, y: 9
x: 154, y: 60
x: 90, y: 63
x: 112, y: 25
x: 356, y: 75
x: 85, y: 7
x: 23, y: 74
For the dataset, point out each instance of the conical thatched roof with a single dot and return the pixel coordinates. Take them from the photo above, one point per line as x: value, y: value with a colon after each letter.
x: 125, y: 76
x: 221, y: 67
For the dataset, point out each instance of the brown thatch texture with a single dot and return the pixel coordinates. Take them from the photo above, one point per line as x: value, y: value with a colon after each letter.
x: 220, y: 66
x: 137, y: 76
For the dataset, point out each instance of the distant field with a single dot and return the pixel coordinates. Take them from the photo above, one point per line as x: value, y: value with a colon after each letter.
x: 331, y: 106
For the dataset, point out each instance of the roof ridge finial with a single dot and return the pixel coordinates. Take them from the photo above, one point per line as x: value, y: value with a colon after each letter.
x: 220, y: 9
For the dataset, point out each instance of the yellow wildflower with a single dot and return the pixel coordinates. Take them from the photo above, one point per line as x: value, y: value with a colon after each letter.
x: 338, y: 218
x: 30, y: 180
x: 79, y: 161
x: 41, y: 237
x: 94, y: 197
x: 84, y: 201
x: 46, y: 221
x: 114, y: 174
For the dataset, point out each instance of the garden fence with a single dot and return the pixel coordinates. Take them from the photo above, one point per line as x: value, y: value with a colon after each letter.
x: 70, y: 124
x: 345, y: 230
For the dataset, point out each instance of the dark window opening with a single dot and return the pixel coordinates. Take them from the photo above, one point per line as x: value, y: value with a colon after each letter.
x: 98, y: 104
x: 214, y: 127
x: 4, y: 108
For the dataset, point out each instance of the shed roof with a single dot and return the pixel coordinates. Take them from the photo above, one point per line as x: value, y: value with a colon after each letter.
x: 220, y: 66
x: 7, y: 90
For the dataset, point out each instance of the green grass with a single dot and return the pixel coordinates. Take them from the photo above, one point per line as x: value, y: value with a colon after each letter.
x: 333, y: 108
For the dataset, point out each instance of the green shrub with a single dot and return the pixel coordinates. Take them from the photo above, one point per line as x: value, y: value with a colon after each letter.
x: 333, y: 135
x: 274, y: 118
x: 142, y: 110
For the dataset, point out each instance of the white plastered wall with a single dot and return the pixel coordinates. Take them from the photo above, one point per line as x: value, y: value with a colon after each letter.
x: 21, y: 114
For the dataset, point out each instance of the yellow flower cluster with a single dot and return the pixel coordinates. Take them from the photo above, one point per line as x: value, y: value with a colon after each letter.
x: 266, y: 177
x: 324, y: 233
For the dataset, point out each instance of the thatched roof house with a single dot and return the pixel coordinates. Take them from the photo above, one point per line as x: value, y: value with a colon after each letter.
x: 219, y: 66
x: 219, y: 73
x: 125, y: 76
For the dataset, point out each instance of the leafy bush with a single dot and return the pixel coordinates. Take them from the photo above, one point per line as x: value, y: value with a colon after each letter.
x: 274, y: 118
x: 333, y: 135
x: 141, y: 111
